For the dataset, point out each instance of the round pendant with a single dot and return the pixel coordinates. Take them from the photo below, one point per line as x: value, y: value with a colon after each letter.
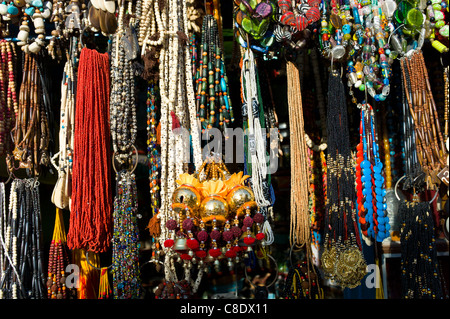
x: 337, y: 52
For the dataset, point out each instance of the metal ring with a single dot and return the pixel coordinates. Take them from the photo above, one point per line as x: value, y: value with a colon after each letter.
x: 396, y: 185
x: 398, y: 197
x: 276, y: 273
x: 152, y: 261
x: 135, y: 164
x: 89, y: 263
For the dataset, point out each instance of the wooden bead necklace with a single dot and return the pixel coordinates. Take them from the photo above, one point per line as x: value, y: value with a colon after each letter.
x: 58, y: 260
x: 31, y: 135
x: 8, y: 103
x: 429, y: 140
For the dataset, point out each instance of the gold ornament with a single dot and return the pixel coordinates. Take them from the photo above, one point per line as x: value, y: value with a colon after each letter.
x: 238, y: 196
x: 188, y: 195
x: 214, y: 207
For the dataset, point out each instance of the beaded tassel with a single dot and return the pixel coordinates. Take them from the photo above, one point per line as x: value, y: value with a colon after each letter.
x: 213, y: 102
x: 58, y: 260
x: 125, y: 266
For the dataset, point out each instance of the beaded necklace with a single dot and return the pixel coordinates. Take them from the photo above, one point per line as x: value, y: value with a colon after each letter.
x: 58, y: 260
x: 369, y: 69
x: 176, y: 91
x: 373, y: 189
x: 91, y: 185
x: 30, y: 134
x: 61, y: 193
x: 213, y: 101
x: 125, y: 246
x: 122, y: 99
x: 255, y: 163
x: 8, y: 102
x: 422, y: 108
x: 420, y: 277
x: 24, y: 275
x: 300, y: 228
x: 342, y: 259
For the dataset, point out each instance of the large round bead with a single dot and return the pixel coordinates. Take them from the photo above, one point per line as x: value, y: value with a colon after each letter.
x: 288, y: 18
x: 238, y: 196
x: 214, y: 207
x: 313, y: 14
x: 301, y: 23
x: 188, y: 195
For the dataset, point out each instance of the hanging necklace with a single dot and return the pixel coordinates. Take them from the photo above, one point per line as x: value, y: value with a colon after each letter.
x: 58, y: 260
x: 176, y: 91
x: 8, y: 103
x: 342, y: 259
x: 420, y: 277
x: 24, y: 275
x: 372, y: 182
x: 125, y: 266
x: 213, y: 101
x: 430, y: 144
x: 62, y: 192
x: 123, y: 96
x: 90, y: 219
x: 31, y: 131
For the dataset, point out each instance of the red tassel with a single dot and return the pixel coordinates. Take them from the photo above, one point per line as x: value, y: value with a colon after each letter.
x: 260, y: 236
x: 175, y: 121
x: 169, y: 243
x: 230, y: 254
x: 185, y: 256
x: 215, y: 252
x: 192, y: 244
x: 200, y: 254
x: 249, y: 241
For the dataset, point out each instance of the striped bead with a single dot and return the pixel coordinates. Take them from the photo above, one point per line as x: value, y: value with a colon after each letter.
x: 284, y: 5
x: 301, y: 23
x: 313, y: 3
x: 288, y: 18
x: 313, y: 14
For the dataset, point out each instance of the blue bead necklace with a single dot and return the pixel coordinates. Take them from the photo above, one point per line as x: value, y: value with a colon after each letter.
x: 373, y: 180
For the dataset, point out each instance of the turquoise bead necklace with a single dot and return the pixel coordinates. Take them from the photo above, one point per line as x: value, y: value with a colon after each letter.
x: 373, y: 181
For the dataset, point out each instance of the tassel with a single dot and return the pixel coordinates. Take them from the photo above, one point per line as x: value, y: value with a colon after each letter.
x: 154, y: 226
x: 88, y: 276
x: 175, y: 121
x: 104, y: 290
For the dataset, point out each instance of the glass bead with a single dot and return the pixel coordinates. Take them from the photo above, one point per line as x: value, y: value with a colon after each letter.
x: 444, y: 31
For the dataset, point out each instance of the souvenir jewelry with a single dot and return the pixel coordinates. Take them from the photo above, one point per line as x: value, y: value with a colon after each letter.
x: 342, y: 259
x: 125, y: 266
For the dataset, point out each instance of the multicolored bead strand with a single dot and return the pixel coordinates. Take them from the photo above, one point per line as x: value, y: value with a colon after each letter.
x: 125, y: 266
x: 213, y: 102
